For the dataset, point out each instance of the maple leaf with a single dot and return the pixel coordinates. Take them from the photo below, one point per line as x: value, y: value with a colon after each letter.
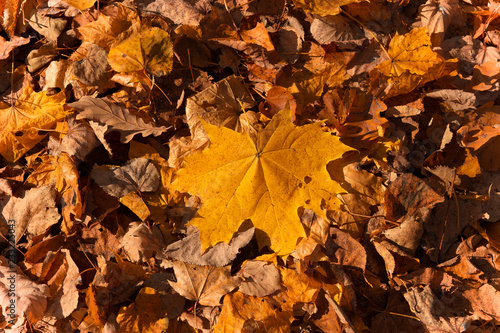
x: 149, y: 48
x: 265, y: 180
x: 412, y: 62
x: 107, y: 27
x: 203, y: 284
x: 20, y: 123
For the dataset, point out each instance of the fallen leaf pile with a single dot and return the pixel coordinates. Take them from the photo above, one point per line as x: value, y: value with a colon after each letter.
x: 249, y: 166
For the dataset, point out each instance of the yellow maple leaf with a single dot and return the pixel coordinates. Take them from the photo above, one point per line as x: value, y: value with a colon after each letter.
x: 20, y: 123
x: 149, y: 48
x: 412, y: 62
x: 265, y: 180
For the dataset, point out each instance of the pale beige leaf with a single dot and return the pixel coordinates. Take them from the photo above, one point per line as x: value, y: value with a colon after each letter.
x: 80, y: 139
x: 93, y: 69
x: 260, y: 278
x: 141, y: 242
x: 138, y: 174
x: 203, y: 284
x: 29, y: 299
x: 35, y: 212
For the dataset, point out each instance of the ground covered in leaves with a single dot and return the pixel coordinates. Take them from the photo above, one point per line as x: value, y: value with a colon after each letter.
x: 249, y: 166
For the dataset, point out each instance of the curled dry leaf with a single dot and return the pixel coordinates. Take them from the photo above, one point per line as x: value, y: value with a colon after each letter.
x: 204, y: 284
x: 46, y: 26
x: 115, y: 117
x: 242, y: 312
x: 347, y: 250
x: 437, y: 16
x: 80, y: 4
x: 7, y: 46
x: 179, y: 11
x: 13, y: 14
x: 396, y: 260
x: 483, y: 135
x: 78, y: 141
x: 147, y: 314
x: 222, y: 104
x: 272, y: 313
x: 439, y: 316
x: 62, y: 284
x: 307, y: 84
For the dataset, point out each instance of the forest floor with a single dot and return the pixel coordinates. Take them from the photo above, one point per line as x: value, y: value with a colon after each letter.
x: 250, y: 166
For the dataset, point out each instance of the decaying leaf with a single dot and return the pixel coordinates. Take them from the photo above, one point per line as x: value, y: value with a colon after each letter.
x: 265, y: 180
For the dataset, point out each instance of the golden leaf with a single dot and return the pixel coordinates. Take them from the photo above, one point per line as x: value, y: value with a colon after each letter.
x: 412, y: 62
x: 265, y: 180
x: 149, y: 48
x: 20, y: 123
